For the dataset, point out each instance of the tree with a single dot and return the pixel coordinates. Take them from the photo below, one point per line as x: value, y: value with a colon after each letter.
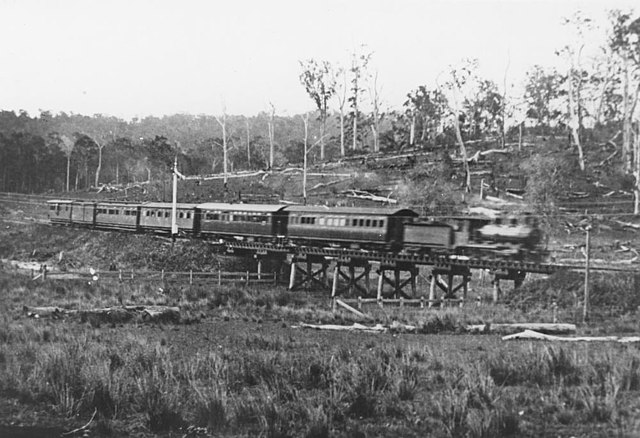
x: 485, y: 110
x: 425, y: 110
x: 625, y: 42
x: 374, y: 95
x: 271, y: 124
x: 359, y: 63
x: 576, y: 79
x: 341, y: 94
x: 319, y: 81
x: 67, y: 144
x: 542, y: 88
x: 459, y: 78
x: 223, y: 124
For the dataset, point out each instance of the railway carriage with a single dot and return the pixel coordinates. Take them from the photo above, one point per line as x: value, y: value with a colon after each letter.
x: 117, y: 216
x: 348, y: 226
x: 60, y: 211
x: 83, y: 213
x: 251, y: 222
x: 156, y: 217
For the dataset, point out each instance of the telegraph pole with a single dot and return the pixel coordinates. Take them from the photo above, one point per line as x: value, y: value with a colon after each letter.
x: 174, y: 204
x: 585, y: 309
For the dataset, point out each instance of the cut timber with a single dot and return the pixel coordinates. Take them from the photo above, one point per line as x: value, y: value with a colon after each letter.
x: 351, y: 309
x: 378, y: 328
x: 532, y: 335
x: 359, y: 194
x: 512, y: 328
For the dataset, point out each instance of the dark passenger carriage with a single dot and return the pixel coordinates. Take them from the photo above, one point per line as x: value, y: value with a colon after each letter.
x: 242, y: 221
x: 115, y: 215
x: 348, y: 226
x: 60, y: 211
x: 156, y: 216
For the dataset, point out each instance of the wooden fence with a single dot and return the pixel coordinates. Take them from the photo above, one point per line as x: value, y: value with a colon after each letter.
x: 186, y: 277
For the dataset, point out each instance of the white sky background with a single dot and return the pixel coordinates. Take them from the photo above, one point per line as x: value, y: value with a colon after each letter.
x: 144, y: 57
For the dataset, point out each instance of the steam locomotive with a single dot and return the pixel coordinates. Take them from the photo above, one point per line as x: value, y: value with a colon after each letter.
x: 396, y: 230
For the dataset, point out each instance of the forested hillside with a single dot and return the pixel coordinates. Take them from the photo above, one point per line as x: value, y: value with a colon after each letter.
x: 566, y: 130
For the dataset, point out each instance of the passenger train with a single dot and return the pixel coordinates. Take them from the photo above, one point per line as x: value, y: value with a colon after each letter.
x: 396, y: 230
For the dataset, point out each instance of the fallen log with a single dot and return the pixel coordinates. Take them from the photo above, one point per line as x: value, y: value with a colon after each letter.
x: 44, y: 312
x: 555, y: 328
x: 378, y: 328
x: 532, y: 335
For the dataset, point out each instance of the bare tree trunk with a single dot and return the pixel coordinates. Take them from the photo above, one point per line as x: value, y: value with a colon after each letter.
x: 246, y: 121
x: 99, y: 167
x: 463, y: 151
x: 355, y: 127
x: 412, y: 130
x: 323, y: 129
x: 520, y: 129
x: 271, y: 135
x: 636, y: 173
x: 305, y: 120
x: 342, y: 99
x: 375, y: 99
x: 626, y: 121
x: 574, y: 118
x: 223, y: 125
x: 342, y: 149
x: 68, y: 169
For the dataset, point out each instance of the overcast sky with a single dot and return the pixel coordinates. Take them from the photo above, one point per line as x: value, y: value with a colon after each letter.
x: 152, y: 57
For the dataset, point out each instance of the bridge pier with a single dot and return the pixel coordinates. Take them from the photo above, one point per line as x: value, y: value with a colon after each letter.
x: 351, y: 277
x: 506, y: 274
x: 450, y: 272
x: 396, y: 281
x: 305, y: 265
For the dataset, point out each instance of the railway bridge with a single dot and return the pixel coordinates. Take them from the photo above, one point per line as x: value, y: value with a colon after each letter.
x: 396, y: 272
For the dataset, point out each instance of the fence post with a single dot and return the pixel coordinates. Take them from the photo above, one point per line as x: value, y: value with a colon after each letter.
x: 190, y: 277
x: 219, y: 277
x: 247, y: 278
x: 359, y: 302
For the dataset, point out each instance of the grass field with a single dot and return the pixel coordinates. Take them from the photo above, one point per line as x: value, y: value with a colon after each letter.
x: 237, y: 366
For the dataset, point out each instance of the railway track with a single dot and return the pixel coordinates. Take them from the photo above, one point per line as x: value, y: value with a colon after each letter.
x: 342, y: 254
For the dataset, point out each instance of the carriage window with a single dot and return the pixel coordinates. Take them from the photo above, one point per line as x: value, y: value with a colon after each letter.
x: 374, y: 223
x: 381, y: 223
x: 321, y: 221
x: 361, y: 222
x: 354, y: 222
x: 111, y: 212
x: 188, y: 215
x: 368, y: 223
x: 181, y: 215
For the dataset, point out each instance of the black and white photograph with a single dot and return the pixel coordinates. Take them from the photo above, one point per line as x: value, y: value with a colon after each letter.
x: 319, y: 219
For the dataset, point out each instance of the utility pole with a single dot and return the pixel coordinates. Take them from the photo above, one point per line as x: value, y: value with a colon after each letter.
x: 585, y: 309
x: 174, y: 204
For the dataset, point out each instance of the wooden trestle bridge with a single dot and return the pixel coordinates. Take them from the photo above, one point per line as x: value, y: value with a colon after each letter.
x: 396, y: 272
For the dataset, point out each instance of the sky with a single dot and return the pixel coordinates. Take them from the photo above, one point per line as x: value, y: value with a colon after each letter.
x: 134, y: 58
